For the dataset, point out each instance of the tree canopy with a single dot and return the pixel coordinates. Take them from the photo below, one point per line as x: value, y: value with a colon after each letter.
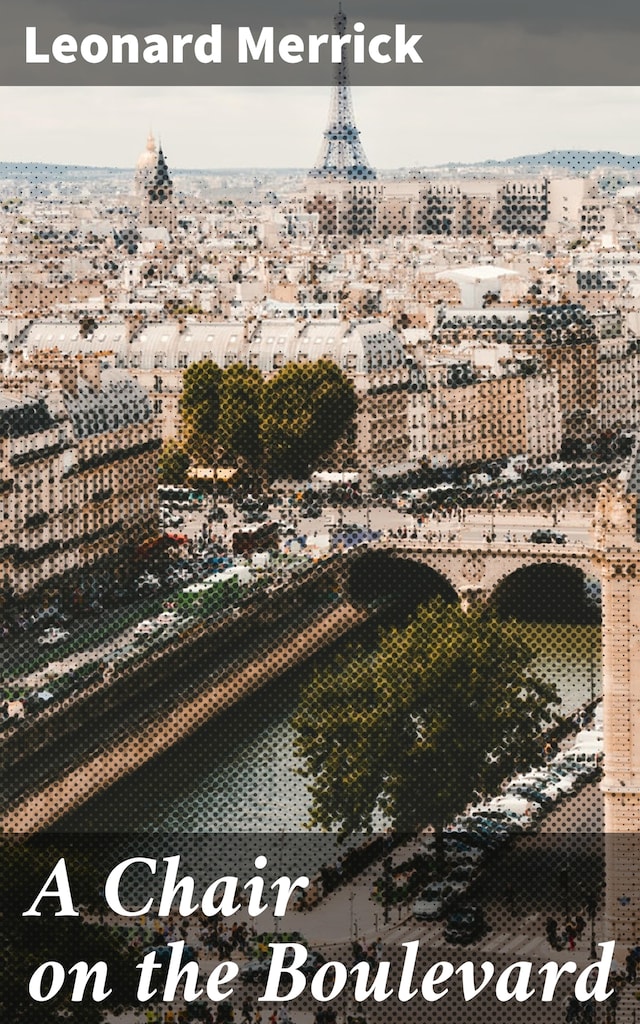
x: 241, y: 389
x: 200, y: 409
x: 173, y: 464
x: 278, y: 427
x: 306, y: 409
x: 441, y: 712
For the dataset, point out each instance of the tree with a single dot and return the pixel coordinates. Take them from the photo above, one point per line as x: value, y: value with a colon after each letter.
x: 173, y: 463
x: 306, y: 408
x: 240, y: 397
x: 200, y: 408
x: 440, y: 713
x: 283, y: 426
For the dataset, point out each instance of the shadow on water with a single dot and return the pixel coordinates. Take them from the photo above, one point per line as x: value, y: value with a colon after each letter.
x: 239, y: 771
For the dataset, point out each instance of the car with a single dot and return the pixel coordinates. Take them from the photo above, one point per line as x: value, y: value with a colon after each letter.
x: 547, y: 537
x: 172, y: 520
x: 148, y: 580
x: 466, y: 924
x: 255, y: 517
x: 120, y: 654
x: 167, y: 618
x: 460, y: 877
x: 459, y: 852
x: 147, y: 627
x: 164, y: 954
x: 564, y: 781
x: 38, y: 701
x: 433, y: 901
x: 53, y: 635
x: 543, y: 796
x: 482, y: 831
x: 217, y: 563
x: 180, y: 575
x: 216, y: 515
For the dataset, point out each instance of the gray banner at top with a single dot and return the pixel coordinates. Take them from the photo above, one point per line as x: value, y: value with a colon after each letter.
x: 407, y: 42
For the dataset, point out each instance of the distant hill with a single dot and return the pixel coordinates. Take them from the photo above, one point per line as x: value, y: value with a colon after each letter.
x: 572, y: 161
x: 568, y: 161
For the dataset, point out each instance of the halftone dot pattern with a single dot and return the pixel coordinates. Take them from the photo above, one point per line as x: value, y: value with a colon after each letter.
x: 149, y: 689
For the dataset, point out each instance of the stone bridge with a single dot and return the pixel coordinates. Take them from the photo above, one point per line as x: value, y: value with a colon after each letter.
x: 612, y: 554
x: 474, y: 571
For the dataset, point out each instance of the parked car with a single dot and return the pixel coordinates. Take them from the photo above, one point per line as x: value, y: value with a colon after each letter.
x: 35, y: 702
x: 147, y: 627
x: 171, y: 520
x: 255, y: 517
x: 432, y: 902
x: 466, y: 924
x: 461, y: 876
x: 53, y: 635
x: 180, y: 575
x: 542, y: 795
x: 149, y: 580
x: 167, y: 618
x: 548, y: 537
x: 216, y: 515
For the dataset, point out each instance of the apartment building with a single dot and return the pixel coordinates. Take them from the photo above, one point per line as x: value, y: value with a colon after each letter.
x: 78, y: 456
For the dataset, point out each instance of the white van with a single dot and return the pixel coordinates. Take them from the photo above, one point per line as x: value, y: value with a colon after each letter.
x: 588, y: 750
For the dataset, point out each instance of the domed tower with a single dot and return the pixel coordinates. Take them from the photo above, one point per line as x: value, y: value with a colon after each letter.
x: 145, y: 166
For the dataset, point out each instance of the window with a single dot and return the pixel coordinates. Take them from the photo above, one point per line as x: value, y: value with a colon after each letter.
x: 157, y: 383
x: 157, y: 406
x: 183, y: 360
x: 159, y: 360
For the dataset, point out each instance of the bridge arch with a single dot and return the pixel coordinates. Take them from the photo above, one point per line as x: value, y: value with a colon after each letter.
x: 547, y: 591
x: 379, y: 574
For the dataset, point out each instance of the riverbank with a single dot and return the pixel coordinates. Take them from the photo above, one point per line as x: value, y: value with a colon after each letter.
x: 283, y: 648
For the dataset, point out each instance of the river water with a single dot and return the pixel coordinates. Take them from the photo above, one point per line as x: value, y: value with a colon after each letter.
x: 239, y: 773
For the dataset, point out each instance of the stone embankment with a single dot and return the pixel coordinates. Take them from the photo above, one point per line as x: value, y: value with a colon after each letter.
x: 125, y: 720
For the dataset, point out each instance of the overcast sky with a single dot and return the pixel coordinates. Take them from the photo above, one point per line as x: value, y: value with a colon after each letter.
x: 282, y: 127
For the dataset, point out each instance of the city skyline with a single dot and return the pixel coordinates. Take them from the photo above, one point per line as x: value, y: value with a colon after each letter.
x: 282, y: 127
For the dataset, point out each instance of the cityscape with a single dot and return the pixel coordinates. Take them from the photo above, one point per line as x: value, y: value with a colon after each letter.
x: 320, y: 516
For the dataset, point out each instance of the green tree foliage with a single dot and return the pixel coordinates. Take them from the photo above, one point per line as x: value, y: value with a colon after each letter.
x: 200, y: 409
x: 240, y: 403
x: 441, y: 712
x: 306, y: 409
x: 173, y: 464
x: 281, y: 427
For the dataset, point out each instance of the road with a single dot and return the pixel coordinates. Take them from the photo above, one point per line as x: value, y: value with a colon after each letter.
x: 521, y: 887
x: 473, y: 529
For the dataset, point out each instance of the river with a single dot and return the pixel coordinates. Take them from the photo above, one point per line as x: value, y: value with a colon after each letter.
x: 239, y: 773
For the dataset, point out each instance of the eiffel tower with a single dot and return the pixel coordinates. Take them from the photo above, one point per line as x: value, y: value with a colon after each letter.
x: 342, y: 156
